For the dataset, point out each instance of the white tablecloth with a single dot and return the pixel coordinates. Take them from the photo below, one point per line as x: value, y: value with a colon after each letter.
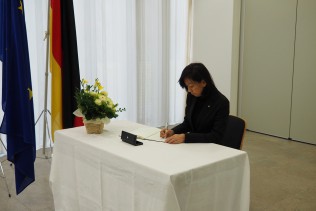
x: 100, y: 172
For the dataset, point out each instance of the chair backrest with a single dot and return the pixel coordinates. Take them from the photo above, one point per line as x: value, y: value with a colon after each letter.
x: 234, y: 133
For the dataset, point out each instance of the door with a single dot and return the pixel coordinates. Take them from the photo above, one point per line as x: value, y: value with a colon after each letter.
x: 267, y: 65
x: 303, y: 115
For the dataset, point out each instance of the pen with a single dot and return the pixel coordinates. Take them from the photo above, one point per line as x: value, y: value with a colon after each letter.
x: 166, y: 129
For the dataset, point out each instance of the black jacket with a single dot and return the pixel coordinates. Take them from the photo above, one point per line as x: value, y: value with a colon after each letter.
x: 209, y: 124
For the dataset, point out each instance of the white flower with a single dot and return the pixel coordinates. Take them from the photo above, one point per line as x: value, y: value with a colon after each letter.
x: 102, y: 98
x: 104, y: 93
x: 93, y: 93
x: 109, y: 102
x: 98, y: 102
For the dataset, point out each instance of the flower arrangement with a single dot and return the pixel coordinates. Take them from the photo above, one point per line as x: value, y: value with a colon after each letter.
x: 94, y: 105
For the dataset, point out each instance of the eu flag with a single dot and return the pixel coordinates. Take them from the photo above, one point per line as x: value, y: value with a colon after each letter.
x: 17, y: 99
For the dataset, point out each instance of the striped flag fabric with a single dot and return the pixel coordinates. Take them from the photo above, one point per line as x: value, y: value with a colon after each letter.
x: 17, y: 98
x: 64, y: 65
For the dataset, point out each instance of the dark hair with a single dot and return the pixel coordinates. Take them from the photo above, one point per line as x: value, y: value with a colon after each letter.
x: 196, y: 72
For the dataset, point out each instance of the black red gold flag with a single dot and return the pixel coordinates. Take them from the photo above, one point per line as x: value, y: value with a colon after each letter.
x: 64, y: 65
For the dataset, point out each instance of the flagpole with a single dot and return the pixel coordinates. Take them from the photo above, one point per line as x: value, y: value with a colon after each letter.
x: 45, y: 111
x: 46, y: 78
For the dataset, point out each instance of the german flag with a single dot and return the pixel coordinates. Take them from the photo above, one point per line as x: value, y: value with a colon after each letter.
x: 64, y: 65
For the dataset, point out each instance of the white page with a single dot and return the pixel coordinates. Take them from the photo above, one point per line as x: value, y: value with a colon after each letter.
x: 151, y: 133
x: 156, y: 137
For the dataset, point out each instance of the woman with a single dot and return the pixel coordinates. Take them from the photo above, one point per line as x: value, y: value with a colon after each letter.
x: 206, y: 111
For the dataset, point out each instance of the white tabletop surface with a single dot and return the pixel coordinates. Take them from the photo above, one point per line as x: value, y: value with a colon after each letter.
x: 100, y: 172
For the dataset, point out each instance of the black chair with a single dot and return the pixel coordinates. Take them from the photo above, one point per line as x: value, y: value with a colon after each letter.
x: 234, y: 133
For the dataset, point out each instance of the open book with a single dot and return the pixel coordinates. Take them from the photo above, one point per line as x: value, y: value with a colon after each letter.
x: 148, y: 133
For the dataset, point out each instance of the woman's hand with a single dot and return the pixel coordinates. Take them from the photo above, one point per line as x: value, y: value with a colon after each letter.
x: 165, y: 133
x: 175, y: 139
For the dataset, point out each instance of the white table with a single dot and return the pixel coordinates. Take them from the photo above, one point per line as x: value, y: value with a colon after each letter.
x: 100, y: 172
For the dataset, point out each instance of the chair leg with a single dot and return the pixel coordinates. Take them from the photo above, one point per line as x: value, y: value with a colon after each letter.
x: 5, y: 181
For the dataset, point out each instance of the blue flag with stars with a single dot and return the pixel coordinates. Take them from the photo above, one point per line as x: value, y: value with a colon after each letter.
x: 17, y: 98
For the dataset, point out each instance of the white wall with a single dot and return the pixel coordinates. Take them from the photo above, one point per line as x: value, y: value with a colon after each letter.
x: 215, y: 43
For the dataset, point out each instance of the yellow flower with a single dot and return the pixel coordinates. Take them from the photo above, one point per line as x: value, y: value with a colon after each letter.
x: 84, y: 81
x: 100, y: 87
x: 97, y: 83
